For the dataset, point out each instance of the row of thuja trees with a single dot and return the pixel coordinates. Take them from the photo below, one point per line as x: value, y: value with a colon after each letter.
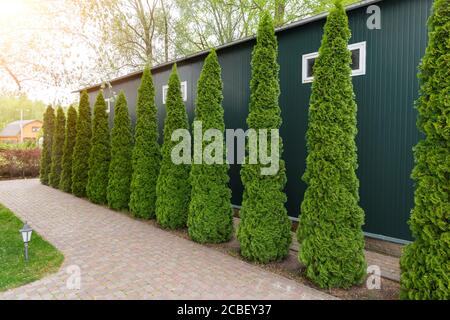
x: 134, y: 173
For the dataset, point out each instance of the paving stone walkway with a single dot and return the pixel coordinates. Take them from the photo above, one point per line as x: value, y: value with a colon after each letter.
x: 118, y: 257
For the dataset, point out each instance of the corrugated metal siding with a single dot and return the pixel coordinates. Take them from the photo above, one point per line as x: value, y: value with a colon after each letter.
x: 385, y: 97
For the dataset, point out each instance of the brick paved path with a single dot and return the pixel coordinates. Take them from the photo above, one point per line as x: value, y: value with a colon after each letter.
x: 122, y: 258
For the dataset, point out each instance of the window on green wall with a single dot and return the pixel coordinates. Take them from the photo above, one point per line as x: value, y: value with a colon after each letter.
x: 165, y: 88
x: 358, y: 64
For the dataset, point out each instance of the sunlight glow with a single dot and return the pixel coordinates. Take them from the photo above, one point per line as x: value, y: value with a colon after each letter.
x: 11, y: 8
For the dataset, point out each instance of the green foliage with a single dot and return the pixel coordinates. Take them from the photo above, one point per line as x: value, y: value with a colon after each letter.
x: 118, y: 191
x: 329, y: 233
x: 100, y: 154
x: 57, y: 148
x: 80, y: 165
x: 210, y: 215
x: 425, y: 264
x: 11, y: 106
x: 65, y: 183
x: 173, y: 187
x: 264, y: 231
x: 146, y: 152
x: 48, y: 127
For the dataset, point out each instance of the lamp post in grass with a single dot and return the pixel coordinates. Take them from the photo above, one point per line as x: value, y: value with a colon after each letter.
x: 26, y: 232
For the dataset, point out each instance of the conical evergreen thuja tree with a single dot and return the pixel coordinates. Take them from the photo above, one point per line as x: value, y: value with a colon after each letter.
x: 80, y: 165
x: 210, y: 214
x: 425, y: 264
x: 330, y: 226
x: 65, y: 182
x: 57, y: 148
x: 264, y: 232
x: 48, y: 128
x: 173, y: 188
x: 146, y: 151
x: 118, y: 191
x: 100, y: 154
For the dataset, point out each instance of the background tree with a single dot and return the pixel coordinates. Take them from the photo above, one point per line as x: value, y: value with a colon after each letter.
x: 173, y: 187
x: 425, y: 264
x: 203, y: 24
x: 329, y: 233
x: 65, y: 183
x: 57, y: 148
x: 116, y: 37
x: 118, y: 191
x: 37, y: 55
x: 48, y: 128
x: 80, y: 165
x: 210, y: 215
x: 146, y: 151
x: 12, y: 106
x: 100, y: 154
x: 264, y: 232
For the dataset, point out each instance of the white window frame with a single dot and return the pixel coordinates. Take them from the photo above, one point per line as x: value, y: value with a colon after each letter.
x: 183, y: 86
x: 354, y: 46
x: 305, y: 58
x: 362, y: 58
x: 108, y: 105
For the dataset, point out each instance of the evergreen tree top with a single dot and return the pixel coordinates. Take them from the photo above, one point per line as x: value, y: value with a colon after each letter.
x: 265, y: 36
x: 84, y: 100
x: 59, y: 112
x: 146, y: 89
x: 336, y: 34
x: 121, y: 109
x: 209, y: 98
x: 100, y: 99
x: 84, y: 113
x: 71, y: 111
x: 174, y: 97
x: 264, y: 111
x: 174, y: 87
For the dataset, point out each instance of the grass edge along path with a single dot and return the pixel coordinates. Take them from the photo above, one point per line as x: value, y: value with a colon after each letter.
x: 44, y: 258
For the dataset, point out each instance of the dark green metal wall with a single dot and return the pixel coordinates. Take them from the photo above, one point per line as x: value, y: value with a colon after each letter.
x: 385, y: 97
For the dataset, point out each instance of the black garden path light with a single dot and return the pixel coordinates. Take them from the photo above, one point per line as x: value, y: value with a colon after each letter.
x: 26, y: 232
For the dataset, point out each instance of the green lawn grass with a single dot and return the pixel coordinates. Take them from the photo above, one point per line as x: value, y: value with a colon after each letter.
x: 14, y: 271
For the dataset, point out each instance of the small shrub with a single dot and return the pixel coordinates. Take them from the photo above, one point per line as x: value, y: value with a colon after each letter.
x: 19, y: 162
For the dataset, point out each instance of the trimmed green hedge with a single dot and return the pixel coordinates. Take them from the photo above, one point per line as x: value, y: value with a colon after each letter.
x: 82, y: 149
x: 330, y: 226
x: 210, y: 215
x: 100, y: 154
x: 118, y: 191
x: 173, y: 188
x: 65, y: 183
x: 146, y: 152
x: 425, y: 264
x: 264, y: 232
x: 48, y: 128
x: 57, y: 148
